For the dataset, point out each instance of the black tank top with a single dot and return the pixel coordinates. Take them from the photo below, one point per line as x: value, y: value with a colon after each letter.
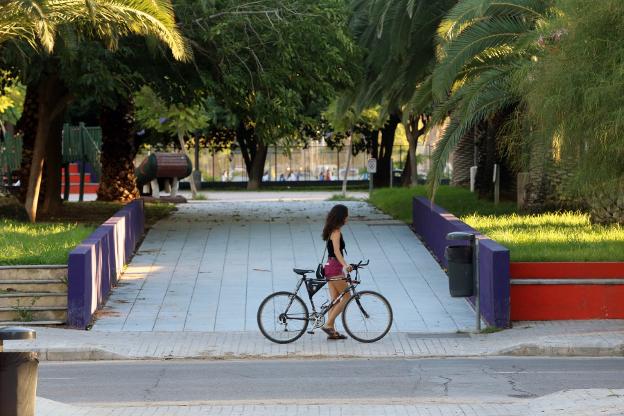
x: 330, y: 247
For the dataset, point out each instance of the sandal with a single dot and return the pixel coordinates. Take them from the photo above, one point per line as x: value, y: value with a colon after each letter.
x: 333, y: 334
x: 328, y: 331
x: 337, y: 335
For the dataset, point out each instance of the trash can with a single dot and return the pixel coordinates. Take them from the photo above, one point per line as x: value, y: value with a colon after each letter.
x: 18, y: 375
x: 18, y: 383
x: 460, y: 273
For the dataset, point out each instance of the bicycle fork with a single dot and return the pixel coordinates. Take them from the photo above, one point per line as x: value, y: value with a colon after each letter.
x: 357, y: 300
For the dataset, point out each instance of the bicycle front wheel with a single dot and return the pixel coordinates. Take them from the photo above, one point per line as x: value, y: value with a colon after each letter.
x: 367, y: 317
x: 282, y: 317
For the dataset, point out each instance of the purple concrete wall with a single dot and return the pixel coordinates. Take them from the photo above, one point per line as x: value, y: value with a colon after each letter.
x: 95, y: 264
x: 433, y: 223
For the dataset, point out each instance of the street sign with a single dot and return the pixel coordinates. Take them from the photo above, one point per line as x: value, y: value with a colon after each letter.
x: 371, y: 165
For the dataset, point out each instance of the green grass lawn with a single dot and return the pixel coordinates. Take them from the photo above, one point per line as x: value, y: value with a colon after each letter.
x: 90, y: 213
x: 398, y: 202
x: 51, y: 240
x: 563, y: 236
x: 553, y: 236
x: 43, y: 243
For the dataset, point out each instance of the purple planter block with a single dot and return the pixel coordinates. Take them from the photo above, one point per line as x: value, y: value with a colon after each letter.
x: 494, y: 278
x: 104, y: 279
x: 96, y: 264
x: 80, y: 301
x: 433, y: 223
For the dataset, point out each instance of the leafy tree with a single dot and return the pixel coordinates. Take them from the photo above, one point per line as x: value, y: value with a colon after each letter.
x: 45, y: 74
x: 273, y: 64
x: 11, y: 101
x: 482, y: 44
x: 398, y: 36
x: 358, y: 130
x: 176, y: 119
x: 573, y: 103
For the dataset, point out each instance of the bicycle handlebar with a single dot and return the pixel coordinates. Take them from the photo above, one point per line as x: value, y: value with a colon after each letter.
x: 360, y: 264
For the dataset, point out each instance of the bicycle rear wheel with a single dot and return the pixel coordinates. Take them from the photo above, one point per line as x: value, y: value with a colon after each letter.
x: 282, y: 317
x: 367, y: 317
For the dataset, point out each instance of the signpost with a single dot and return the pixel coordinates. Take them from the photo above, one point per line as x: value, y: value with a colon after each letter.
x: 371, y: 167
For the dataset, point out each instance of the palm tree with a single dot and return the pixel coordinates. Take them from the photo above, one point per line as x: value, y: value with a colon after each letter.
x: 398, y: 37
x: 39, y: 23
x: 482, y: 44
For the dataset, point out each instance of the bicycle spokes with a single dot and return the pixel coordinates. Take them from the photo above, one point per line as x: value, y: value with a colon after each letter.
x: 367, y: 317
x: 282, y: 317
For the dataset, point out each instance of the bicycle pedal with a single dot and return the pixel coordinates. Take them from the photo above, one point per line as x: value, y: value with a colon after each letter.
x: 311, y: 332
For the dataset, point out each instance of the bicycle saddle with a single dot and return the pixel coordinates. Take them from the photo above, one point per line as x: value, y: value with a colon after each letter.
x: 303, y: 271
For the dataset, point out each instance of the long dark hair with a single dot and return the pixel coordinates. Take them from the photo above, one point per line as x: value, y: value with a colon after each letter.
x: 335, y: 219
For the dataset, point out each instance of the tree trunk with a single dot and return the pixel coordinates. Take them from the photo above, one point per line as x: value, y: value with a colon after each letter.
x: 52, y: 201
x: 412, y: 132
x: 254, y: 153
x: 27, y: 127
x: 183, y: 149
x: 53, y: 100
x: 257, y: 167
x: 487, y: 159
x: 607, y: 203
x: 382, y: 177
x: 406, y: 175
x: 345, y: 180
x: 117, y: 182
x: 463, y: 158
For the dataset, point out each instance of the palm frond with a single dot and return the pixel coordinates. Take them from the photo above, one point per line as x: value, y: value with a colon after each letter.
x: 467, y: 12
x: 37, y: 21
x: 475, y: 40
x: 475, y: 102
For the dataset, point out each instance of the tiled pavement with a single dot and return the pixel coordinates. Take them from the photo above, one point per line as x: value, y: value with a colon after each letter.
x: 208, y: 267
x: 569, y: 403
x: 189, y: 281
x: 563, y: 338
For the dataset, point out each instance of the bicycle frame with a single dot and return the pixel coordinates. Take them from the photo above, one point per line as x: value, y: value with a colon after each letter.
x: 352, y: 284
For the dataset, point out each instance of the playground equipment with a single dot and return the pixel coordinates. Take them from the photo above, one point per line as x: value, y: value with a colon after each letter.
x: 170, y: 167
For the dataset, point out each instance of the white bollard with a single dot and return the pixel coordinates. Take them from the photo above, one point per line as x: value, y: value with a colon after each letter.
x: 473, y: 178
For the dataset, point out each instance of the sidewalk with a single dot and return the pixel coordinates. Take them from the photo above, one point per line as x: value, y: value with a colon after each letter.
x: 208, y: 267
x: 564, y: 338
x: 193, y: 290
x: 569, y: 403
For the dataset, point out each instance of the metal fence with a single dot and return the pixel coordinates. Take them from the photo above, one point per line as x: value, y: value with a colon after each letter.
x: 312, y: 163
x: 82, y: 144
x: 10, y: 154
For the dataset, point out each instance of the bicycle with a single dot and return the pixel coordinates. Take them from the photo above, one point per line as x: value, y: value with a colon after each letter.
x: 367, y: 316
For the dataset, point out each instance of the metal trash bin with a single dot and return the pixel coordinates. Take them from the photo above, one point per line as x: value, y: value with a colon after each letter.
x: 18, y: 376
x: 460, y: 271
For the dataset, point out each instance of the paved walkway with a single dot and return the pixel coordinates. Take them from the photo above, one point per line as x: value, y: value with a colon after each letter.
x: 208, y: 266
x: 589, y: 402
x: 563, y: 338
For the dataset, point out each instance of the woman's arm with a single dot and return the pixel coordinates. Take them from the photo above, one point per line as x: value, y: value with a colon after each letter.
x: 335, y: 239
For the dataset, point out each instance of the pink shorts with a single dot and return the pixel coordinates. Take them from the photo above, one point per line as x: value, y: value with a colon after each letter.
x: 333, y: 268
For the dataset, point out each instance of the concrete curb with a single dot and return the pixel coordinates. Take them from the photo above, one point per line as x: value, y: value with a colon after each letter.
x: 534, y: 350
x: 522, y: 350
x: 77, y: 354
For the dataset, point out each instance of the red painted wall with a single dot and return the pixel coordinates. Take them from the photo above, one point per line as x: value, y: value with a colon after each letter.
x: 567, y: 301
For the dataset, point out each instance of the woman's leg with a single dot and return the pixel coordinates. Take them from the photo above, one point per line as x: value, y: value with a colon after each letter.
x: 336, y: 287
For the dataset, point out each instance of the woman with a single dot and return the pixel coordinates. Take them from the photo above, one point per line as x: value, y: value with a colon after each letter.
x: 336, y: 266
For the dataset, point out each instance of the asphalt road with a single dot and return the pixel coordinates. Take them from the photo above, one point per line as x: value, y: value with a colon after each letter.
x: 323, y: 380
